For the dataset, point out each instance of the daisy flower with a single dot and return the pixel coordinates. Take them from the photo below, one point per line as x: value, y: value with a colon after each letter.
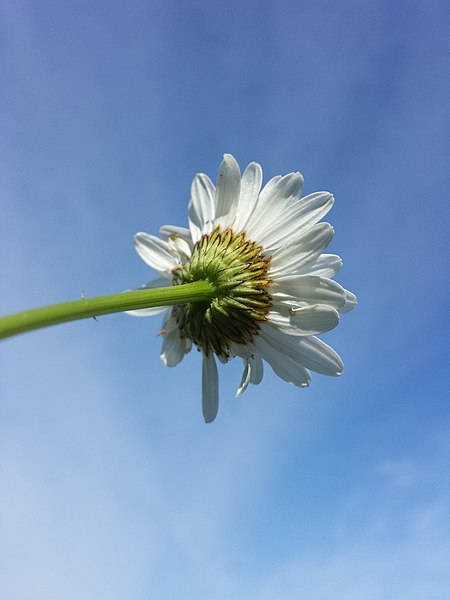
x: 262, y: 249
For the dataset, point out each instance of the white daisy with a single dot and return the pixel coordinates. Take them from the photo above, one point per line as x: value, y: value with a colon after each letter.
x: 262, y: 248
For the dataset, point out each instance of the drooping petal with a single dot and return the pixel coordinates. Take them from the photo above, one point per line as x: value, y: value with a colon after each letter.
x: 156, y: 310
x: 210, y: 388
x: 257, y: 369
x: 179, y: 247
x: 350, y: 302
x: 319, y: 357
x: 253, y: 372
x: 284, y: 366
x: 174, y: 347
x: 245, y: 379
x: 201, y: 206
x: 167, y: 231
x: 309, y: 289
x: 250, y: 186
x: 180, y: 236
x: 155, y: 252
x: 227, y: 192
x: 287, y: 259
x: 311, y: 352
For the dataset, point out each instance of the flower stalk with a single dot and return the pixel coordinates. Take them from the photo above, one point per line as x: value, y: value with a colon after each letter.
x: 84, y: 308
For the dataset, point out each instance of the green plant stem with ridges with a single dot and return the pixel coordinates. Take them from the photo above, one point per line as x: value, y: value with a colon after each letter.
x: 84, y: 308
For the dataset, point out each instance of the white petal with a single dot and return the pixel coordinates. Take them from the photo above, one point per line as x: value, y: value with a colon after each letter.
x: 146, y: 312
x: 311, y: 352
x: 350, y: 302
x: 325, y: 265
x: 304, y: 321
x: 273, y: 201
x: 245, y: 380
x: 307, y: 248
x: 179, y: 247
x: 282, y: 188
x: 283, y: 365
x: 201, y: 206
x: 180, y: 236
x: 156, y: 310
x: 155, y: 252
x: 257, y: 369
x: 285, y: 227
x: 210, y: 388
x: 227, y: 192
x: 167, y: 231
x: 250, y: 187
x: 309, y: 289
x: 314, y: 207
x: 317, y: 318
x: 253, y: 372
x: 319, y: 357
x: 174, y: 348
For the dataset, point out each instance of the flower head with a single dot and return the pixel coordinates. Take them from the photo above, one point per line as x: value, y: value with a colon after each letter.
x: 262, y: 250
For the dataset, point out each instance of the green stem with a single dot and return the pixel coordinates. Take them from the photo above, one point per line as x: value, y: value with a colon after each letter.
x: 104, y: 305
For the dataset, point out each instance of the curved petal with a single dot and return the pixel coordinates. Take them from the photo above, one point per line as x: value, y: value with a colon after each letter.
x: 179, y: 247
x: 317, y: 318
x: 173, y: 349
x: 305, y: 320
x: 167, y: 231
x: 227, y: 192
x: 201, y: 206
x: 155, y: 252
x: 210, y: 388
x: 319, y: 357
x: 253, y: 372
x: 350, y: 302
x: 257, y: 369
x: 177, y: 235
x: 286, y: 367
x: 245, y: 379
x: 311, y: 352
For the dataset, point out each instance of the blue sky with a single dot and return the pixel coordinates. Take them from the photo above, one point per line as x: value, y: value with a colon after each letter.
x: 111, y: 485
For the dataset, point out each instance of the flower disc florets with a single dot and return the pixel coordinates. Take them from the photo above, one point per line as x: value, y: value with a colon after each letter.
x: 237, y: 268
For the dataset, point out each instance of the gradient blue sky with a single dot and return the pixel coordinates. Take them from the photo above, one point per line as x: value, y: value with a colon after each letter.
x: 111, y: 485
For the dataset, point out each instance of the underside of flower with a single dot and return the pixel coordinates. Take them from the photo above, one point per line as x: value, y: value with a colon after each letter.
x: 239, y: 272
x: 271, y: 288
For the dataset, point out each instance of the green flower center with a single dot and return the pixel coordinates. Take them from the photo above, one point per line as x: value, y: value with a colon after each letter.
x: 238, y: 270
